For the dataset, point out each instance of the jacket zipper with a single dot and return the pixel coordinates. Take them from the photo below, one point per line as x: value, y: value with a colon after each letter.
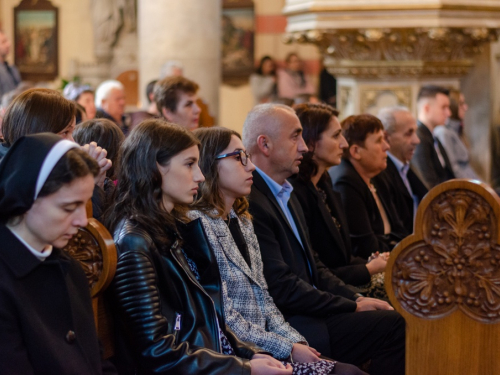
x: 203, y: 291
x: 177, y: 326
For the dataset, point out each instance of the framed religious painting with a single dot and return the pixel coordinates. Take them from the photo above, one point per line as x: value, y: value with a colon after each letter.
x: 238, y: 30
x: 36, y: 25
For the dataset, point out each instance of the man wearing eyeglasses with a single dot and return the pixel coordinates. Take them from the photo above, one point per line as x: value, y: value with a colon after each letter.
x: 334, y: 317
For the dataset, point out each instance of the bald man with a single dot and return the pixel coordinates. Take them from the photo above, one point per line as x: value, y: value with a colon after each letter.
x: 334, y: 317
x: 406, y: 190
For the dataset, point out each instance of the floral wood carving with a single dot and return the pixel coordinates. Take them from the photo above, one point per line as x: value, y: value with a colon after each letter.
x: 85, y: 249
x: 457, y: 265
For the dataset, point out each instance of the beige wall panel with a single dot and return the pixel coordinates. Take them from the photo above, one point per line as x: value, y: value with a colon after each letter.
x: 268, y: 7
x: 236, y: 102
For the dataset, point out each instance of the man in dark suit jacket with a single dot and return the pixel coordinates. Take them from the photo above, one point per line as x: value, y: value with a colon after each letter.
x: 405, y: 188
x: 313, y: 300
x: 430, y: 161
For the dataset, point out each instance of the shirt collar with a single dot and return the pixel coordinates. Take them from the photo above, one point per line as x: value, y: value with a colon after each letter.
x: 41, y: 255
x: 276, y: 188
x: 402, y: 167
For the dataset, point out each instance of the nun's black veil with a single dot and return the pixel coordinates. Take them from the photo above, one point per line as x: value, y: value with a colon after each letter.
x: 19, y: 171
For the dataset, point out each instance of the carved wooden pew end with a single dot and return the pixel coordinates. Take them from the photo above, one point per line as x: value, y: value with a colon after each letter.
x: 94, y: 248
x: 445, y: 280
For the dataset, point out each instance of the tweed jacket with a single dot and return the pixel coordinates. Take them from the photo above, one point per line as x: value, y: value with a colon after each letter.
x: 249, y: 310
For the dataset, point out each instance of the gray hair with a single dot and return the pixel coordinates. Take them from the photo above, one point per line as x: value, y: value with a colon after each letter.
x: 386, y: 116
x: 104, y: 90
x: 167, y: 69
x: 262, y: 120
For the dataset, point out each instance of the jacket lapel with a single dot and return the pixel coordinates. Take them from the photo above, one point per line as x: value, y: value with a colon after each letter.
x: 262, y: 186
x: 394, y: 175
x: 294, y: 207
x: 228, y: 245
x: 327, y: 218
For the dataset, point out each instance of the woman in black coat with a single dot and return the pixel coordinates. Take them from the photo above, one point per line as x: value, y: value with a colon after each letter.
x: 46, y: 319
x: 167, y: 288
x: 325, y: 216
x: 374, y: 222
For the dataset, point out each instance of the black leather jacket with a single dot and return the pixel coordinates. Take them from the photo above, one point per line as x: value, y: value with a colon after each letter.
x: 167, y: 319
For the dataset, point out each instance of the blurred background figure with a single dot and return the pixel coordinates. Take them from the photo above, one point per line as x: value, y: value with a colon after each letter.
x: 263, y: 81
x: 327, y: 87
x: 110, y: 103
x: 7, y: 98
x: 9, y: 75
x: 83, y: 95
x: 306, y: 98
x: 453, y: 139
x: 176, y: 69
x: 292, y: 80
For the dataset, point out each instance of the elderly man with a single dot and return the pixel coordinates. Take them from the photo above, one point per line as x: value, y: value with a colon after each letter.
x: 405, y: 188
x: 110, y: 103
x: 176, y: 99
x: 430, y: 161
x: 333, y: 317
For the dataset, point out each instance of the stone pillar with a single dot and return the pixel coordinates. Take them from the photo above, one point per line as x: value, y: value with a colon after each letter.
x: 184, y: 30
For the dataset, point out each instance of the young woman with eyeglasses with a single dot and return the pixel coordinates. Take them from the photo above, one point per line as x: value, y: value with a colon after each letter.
x: 166, y: 291
x: 249, y: 310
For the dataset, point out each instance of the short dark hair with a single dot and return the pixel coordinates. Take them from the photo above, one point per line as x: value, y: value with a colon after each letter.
x: 37, y: 111
x: 314, y: 119
x: 431, y: 91
x: 106, y: 134
x: 213, y: 141
x: 167, y: 91
x: 149, y: 89
x: 357, y: 128
x: 74, y: 164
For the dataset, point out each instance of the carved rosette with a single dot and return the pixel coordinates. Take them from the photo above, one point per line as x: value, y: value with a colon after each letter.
x: 85, y: 249
x: 457, y: 265
x: 408, y: 52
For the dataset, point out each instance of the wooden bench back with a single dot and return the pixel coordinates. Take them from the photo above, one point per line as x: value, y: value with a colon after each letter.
x: 445, y: 281
x: 94, y: 248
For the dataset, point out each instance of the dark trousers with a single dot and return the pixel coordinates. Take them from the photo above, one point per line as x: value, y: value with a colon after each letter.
x: 355, y: 338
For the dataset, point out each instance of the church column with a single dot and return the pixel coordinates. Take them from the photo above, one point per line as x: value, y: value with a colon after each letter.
x: 184, y: 30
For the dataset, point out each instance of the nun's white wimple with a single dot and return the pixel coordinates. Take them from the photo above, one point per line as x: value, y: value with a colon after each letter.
x: 54, y: 155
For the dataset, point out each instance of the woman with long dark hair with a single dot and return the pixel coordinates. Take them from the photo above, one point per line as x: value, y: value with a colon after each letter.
x: 167, y: 290
x: 249, y: 310
x: 322, y: 206
x: 263, y: 81
x: 46, y: 319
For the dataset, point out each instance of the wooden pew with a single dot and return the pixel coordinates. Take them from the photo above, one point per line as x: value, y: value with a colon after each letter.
x: 445, y: 280
x: 94, y: 248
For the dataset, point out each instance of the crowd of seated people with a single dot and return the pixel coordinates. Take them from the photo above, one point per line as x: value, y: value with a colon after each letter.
x: 256, y: 254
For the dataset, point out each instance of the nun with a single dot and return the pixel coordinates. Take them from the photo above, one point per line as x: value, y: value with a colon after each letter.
x: 46, y: 319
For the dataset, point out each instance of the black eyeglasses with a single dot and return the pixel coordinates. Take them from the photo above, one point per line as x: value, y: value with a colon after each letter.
x: 242, y: 154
